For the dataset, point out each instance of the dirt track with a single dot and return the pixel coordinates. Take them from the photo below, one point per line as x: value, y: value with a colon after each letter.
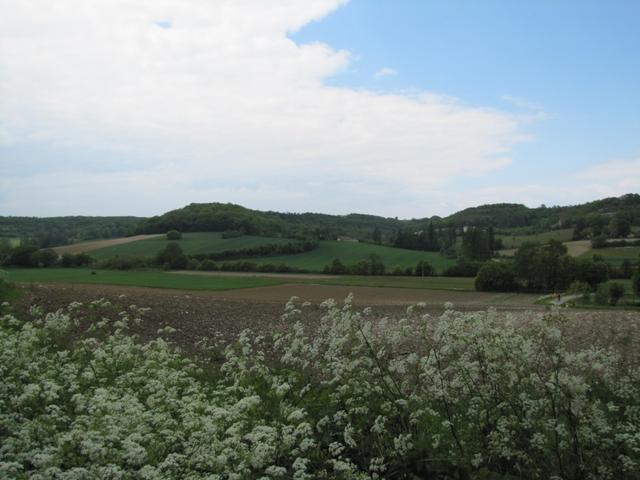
x: 98, y: 244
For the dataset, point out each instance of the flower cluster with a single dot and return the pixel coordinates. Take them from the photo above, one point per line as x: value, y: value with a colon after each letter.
x: 457, y: 396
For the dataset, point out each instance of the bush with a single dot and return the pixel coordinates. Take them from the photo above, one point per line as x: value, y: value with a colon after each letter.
x: 44, y: 258
x: 580, y: 288
x: 496, y: 277
x: 423, y: 269
x: 599, y: 242
x: 125, y: 263
x: 348, y: 397
x: 464, y: 268
x: 232, y: 234
x: 208, y: 265
x: 601, y: 297
x: 193, y: 264
x: 616, y: 292
x: 174, y: 235
x: 635, y: 283
x: 172, y: 257
x: 7, y: 288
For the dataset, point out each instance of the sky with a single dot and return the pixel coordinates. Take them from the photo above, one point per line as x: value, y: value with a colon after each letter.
x: 400, y: 108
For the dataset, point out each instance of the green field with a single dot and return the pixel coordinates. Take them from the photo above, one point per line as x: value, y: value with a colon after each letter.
x: 514, y: 241
x: 191, y: 243
x: 351, y: 252
x: 616, y: 255
x: 13, y: 241
x: 146, y: 278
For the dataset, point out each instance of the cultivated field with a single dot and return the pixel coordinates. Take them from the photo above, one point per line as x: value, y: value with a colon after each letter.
x: 94, y: 245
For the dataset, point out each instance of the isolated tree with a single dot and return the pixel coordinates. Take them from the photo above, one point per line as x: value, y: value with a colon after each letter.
x: 174, y: 235
x: 616, y: 292
x: 172, y: 257
x: 496, y: 277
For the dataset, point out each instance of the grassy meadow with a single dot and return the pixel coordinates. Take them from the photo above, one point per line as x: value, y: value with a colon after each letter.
x: 191, y: 244
x: 145, y: 278
x: 514, y: 241
x: 351, y: 253
x: 616, y: 255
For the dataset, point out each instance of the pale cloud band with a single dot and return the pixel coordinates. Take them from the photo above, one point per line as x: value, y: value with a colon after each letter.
x: 212, y: 101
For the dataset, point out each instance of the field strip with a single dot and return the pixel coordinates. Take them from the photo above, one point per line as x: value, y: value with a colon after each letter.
x: 363, y: 296
x: 287, y: 276
x: 98, y: 244
x: 575, y: 248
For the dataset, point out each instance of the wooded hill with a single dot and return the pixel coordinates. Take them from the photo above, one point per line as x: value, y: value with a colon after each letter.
x: 508, y: 218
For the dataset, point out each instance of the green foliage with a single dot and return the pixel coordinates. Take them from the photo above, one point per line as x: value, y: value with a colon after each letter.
x: 477, y: 397
x: 616, y: 292
x: 7, y: 288
x: 477, y: 243
x: 635, y: 283
x: 599, y: 241
x: 548, y: 267
x: 52, y: 231
x: 601, y: 297
x: 78, y: 260
x: 173, y: 235
x: 423, y: 269
x: 44, y: 258
x: 496, y: 277
x: 172, y: 257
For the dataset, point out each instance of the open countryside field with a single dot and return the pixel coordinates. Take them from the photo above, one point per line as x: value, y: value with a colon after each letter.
x: 616, y: 255
x: 352, y: 252
x: 93, y: 245
x: 575, y: 248
x: 514, y: 241
x: 191, y: 244
x: 148, y: 278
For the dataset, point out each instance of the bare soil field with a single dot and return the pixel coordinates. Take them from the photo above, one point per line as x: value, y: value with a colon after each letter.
x: 98, y: 244
x: 223, y: 315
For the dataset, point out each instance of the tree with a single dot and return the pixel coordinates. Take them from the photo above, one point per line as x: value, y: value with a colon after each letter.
x: 496, y: 277
x: 174, y: 235
x: 620, y: 225
x: 172, y: 257
x: 376, y: 235
x: 616, y: 291
x: 423, y: 269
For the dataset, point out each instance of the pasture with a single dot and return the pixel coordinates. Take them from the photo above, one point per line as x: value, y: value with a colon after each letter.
x: 146, y: 278
x: 616, y: 255
x: 514, y: 241
x: 350, y: 253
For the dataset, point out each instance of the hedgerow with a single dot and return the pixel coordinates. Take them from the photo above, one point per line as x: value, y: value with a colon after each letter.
x: 456, y: 396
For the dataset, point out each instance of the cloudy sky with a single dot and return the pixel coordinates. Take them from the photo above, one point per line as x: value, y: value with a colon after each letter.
x: 399, y: 108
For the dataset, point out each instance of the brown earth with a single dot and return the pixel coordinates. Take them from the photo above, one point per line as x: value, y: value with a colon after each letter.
x: 98, y: 244
x: 223, y: 315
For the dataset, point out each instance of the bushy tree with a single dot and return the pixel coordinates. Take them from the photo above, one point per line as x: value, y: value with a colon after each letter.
x: 616, y: 292
x: 44, y: 258
x: 423, y: 269
x: 496, y: 277
x: 172, y: 257
x: 174, y: 235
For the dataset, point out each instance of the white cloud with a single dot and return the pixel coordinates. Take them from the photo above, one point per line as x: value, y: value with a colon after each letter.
x: 222, y: 97
x: 386, y: 72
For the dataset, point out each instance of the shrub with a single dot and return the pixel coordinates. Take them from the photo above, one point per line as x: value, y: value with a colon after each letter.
x: 347, y: 398
x: 174, y: 235
x: 616, y: 292
x: 125, y: 263
x: 496, y: 277
x: 232, y: 234
x: 172, y: 257
x: 601, y: 297
x: 7, y: 288
x: 423, y: 269
x: 208, y: 265
x: 44, y: 258
x: 193, y: 264
x: 580, y: 288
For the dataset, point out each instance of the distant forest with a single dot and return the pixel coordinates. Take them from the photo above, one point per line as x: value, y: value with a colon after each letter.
x: 608, y: 216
